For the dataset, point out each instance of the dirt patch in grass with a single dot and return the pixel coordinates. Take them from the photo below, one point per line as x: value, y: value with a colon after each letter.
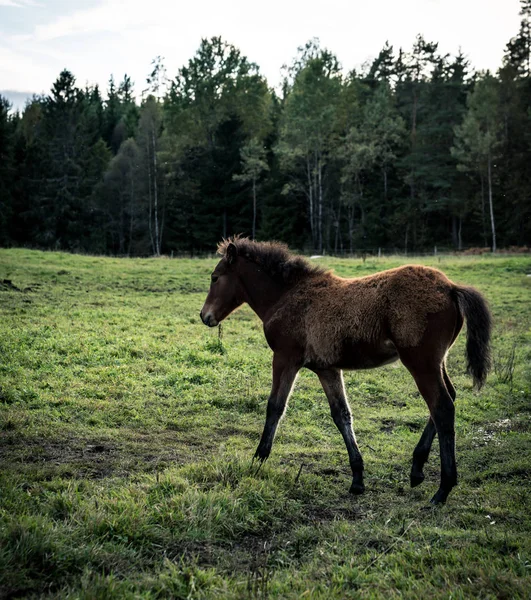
x: 8, y: 285
x: 324, y: 514
x: 85, y: 458
x: 93, y: 458
x: 517, y: 474
x: 387, y: 425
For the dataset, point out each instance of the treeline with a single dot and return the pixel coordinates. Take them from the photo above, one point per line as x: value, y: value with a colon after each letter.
x: 414, y: 151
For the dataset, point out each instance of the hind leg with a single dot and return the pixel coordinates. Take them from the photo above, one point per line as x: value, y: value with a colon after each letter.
x: 449, y: 385
x: 430, y: 382
x: 421, y: 453
x: 422, y: 450
x: 332, y: 382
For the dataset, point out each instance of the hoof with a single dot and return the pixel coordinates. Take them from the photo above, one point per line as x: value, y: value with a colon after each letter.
x: 416, y: 479
x: 260, y: 459
x: 262, y: 453
x: 440, y: 497
x: 357, y: 489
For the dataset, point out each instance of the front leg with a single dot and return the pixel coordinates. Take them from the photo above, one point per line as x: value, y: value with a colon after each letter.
x: 332, y: 382
x: 284, y: 374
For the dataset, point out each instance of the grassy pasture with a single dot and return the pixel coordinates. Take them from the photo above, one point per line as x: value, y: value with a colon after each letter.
x: 127, y: 429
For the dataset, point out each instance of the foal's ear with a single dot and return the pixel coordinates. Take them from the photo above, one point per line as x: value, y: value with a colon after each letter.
x: 231, y: 253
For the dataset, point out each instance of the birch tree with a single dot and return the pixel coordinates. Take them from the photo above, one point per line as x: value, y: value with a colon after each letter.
x: 369, y: 145
x: 253, y: 165
x: 307, y: 131
x: 149, y: 132
x: 478, y: 138
x: 119, y: 198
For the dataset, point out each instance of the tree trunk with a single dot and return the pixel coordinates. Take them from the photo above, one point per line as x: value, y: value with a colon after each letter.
x: 414, y: 119
x: 150, y: 217
x: 254, y: 209
x: 337, y: 224
x: 340, y: 239
x: 155, y: 194
x: 310, y: 200
x: 121, y: 226
x: 351, y: 228
x: 362, y: 208
x: 316, y: 202
x: 161, y: 228
x: 320, y: 184
x: 412, y: 213
x: 492, y: 224
x: 459, y: 232
x: 131, y: 209
x: 483, y: 209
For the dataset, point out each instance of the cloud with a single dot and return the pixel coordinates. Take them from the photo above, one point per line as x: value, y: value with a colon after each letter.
x: 19, y: 3
x: 95, y: 38
x: 21, y: 71
x: 110, y: 16
x: 18, y: 100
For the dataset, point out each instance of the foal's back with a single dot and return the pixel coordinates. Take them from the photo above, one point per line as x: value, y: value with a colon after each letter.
x: 360, y: 322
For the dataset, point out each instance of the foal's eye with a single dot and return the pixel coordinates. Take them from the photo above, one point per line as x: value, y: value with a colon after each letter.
x: 214, y: 278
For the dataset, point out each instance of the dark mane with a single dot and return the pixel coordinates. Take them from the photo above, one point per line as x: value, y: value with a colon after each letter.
x: 274, y: 258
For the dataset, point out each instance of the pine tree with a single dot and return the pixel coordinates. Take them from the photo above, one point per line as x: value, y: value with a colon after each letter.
x: 216, y: 105
x: 515, y: 99
x: 72, y: 159
x: 7, y: 169
x: 518, y: 51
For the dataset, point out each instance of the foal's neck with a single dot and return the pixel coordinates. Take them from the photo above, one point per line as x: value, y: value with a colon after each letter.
x: 261, y: 291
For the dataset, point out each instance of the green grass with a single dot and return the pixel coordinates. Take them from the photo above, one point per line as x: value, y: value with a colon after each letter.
x: 127, y: 430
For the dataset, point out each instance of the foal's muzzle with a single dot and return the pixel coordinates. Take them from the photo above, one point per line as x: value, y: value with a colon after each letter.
x: 208, y: 319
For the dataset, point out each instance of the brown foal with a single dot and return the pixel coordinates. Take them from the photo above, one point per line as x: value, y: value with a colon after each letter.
x: 315, y: 319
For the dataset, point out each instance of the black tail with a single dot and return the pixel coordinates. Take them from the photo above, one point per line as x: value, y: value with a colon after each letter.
x: 479, y: 324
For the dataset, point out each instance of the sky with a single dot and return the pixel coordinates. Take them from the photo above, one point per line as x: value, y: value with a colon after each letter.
x: 97, y: 38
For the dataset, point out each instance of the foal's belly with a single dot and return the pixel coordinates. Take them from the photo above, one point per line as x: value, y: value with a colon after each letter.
x: 361, y: 355
x: 353, y: 354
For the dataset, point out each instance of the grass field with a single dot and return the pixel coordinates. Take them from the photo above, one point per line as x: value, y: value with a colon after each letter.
x: 127, y: 430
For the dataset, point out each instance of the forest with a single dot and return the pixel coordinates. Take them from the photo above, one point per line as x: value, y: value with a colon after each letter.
x: 415, y: 151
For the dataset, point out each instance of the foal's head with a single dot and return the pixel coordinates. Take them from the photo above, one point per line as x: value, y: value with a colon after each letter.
x: 225, y: 294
